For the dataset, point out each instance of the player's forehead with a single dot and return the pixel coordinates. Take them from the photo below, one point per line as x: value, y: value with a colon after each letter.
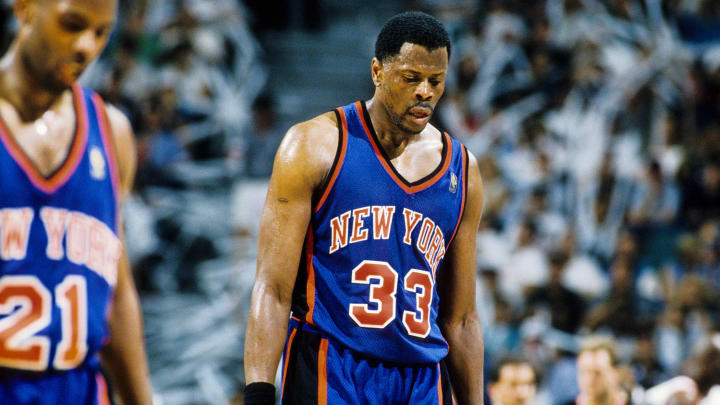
x: 99, y: 11
x: 517, y: 372
x: 594, y: 359
x: 416, y: 57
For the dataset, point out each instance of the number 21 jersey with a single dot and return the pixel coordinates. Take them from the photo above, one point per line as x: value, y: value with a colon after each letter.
x: 59, y: 254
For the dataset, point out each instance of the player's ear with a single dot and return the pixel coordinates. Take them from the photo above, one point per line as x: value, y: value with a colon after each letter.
x: 376, y: 69
x: 25, y: 10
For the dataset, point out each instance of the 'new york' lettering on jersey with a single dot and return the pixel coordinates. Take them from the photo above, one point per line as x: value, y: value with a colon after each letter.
x: 374, y: 247
x: 59, y: 249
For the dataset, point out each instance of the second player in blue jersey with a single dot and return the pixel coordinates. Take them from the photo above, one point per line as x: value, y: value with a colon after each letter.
x: 67, y: 300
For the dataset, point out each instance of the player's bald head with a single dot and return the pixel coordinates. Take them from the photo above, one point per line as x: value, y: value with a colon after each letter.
x: 58, y: 39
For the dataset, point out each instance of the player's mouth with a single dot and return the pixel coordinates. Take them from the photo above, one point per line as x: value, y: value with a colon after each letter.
x: 70, y: 71
x: 420, y: 115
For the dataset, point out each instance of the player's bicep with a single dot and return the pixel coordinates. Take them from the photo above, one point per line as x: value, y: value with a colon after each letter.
x: 286, y: 214
x: 456, y: 280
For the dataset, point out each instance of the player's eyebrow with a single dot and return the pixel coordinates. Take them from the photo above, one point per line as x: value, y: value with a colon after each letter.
x: 415, y: 72
x: 79, y: 18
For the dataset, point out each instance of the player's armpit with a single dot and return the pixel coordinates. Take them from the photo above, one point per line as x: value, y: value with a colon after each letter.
x: 457, y: 313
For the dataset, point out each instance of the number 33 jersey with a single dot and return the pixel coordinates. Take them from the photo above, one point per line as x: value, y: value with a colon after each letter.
x: 375, y: 246
x: 59, y: 249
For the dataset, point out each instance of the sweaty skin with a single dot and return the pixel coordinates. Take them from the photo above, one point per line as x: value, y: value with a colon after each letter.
x: 408, y: 87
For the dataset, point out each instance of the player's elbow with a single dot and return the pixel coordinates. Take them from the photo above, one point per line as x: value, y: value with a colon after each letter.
x: 267, y: 293
x: 460, y: 324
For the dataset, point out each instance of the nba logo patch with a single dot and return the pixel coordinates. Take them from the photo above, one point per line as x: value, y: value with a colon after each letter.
x: 453, y: 183
x: 97, y: 164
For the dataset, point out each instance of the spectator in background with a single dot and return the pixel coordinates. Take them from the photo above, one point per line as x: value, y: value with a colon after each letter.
x: 619, y: 310
x: 646, y: 365
x: 526, y: 267
x: 701, y: 385
x: 264, y: 139
x: 512, y: 382
x: 566, y: 308
x: 598, y: 377
x: 702, y: 194
x: 655, y: 199
x: 653, y: 207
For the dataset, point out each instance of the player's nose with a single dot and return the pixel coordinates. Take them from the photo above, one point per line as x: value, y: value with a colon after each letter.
x: 423, y: 91
x: 86, y: 46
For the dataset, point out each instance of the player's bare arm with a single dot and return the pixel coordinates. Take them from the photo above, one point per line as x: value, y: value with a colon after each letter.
x: 302, y: 163
x: 124, y: 356
x: 456, y: 286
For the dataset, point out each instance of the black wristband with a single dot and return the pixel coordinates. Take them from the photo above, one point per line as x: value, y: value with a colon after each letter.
x: 260, y: 393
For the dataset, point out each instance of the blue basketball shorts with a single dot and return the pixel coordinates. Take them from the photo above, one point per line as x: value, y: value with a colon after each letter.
x: 316, y: 370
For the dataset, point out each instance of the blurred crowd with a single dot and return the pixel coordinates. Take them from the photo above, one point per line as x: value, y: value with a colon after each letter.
x: 597, y: 128
x: 596, y: 124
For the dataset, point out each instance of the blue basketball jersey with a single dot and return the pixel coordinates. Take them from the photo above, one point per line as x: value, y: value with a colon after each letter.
x: 375, y: 244
x: 59, y: 253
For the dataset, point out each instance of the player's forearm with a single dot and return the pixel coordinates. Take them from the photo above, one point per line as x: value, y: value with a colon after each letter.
x: 124, y: 356
x: 465, y: 360
x: 265, y: 335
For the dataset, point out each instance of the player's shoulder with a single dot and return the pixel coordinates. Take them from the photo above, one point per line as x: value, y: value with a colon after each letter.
x: 310, y: 146
x: 315, y: 138
x: 320, y: 129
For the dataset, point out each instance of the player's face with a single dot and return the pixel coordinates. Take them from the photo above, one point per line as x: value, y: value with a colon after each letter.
x: 516, y: 385
x: 60, y: 38
x: 411, y: 83
x: 595, y: 372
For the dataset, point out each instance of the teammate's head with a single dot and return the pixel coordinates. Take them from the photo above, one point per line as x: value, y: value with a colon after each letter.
x: 597, y: 373
x: 513, y: 382
x: 58, y: 39
x: 409, y: 68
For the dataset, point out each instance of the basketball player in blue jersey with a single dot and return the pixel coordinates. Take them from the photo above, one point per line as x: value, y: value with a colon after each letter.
x: 367, y: 241
x: 67, y: 300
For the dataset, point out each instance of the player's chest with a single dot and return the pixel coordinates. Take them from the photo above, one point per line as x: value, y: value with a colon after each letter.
x: 45, y: 142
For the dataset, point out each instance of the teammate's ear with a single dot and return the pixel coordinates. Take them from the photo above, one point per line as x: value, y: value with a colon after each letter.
x: 24, y: 10
x: 376, y: 69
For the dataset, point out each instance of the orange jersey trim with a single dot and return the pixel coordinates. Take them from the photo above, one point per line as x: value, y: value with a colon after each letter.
x: 103, y: 398
x: 65, y: 171
x: 322, y: 372
x: 287, y: 360
x: 110, y: 152
x: 414, y: 188
x: 337, y: 165
x: 310, y: 284
x: 464, y: 194
x: 439, y: 385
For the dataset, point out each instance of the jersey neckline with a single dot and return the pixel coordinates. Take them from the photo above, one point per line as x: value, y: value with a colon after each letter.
x: 383, y: 158
x: 58, y: 177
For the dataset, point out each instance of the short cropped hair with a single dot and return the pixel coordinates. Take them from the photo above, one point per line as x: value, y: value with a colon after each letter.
x: 600, y: 343
x: 510, y: 361
x: 413, y: 27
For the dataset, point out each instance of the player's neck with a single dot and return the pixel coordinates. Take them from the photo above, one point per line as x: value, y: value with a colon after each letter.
x: 392, y: 139
x: 23, y: 91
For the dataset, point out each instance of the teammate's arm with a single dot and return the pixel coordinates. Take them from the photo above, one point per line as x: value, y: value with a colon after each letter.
x: 457, y: 313
x: 301, y: 164
x: 124, y: 356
